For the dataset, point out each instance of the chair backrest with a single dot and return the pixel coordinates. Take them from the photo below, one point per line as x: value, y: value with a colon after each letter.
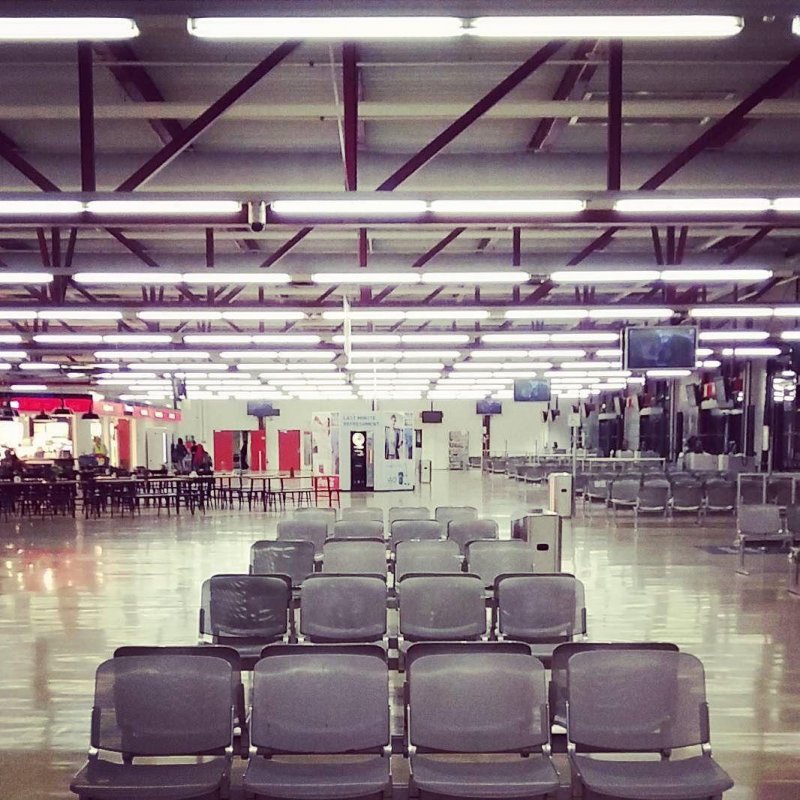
x: 793, y: 520
x: 720, y: 494
x: 445, y: 514
x: 477, y: 702
x: 307, y: 529
x: 463, y: 531
x: 408, y: 512
x: 362, y: 512
x: 295, y: 559
x: 440, y: 607
x: 687, y: 495
x: 343, y: 608
x: 540, y: 608
x: 491, y: 558
x: 406, y: 529
x: 441, y: 556
x: 354, y: 557
x: 323, y: 512
x: 246, y: 606
x: 625, y: 490
x: 358, y: 529
x: 654, y: 495
x: 163, y: 705
x: 561, y: 657
x: 759, y: 520
x: 636, y: 700
x: 320, y: 699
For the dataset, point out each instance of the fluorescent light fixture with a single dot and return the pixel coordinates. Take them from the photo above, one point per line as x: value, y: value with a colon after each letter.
x: 25, y: 278
x: 166, y: 366
x: 443, y: 313
x: 701, y: 352
x: 791, y: 336
x: 376, y: 354
x: 68, y: 338
x: 243, y: 355
x: 10, y: 338
x: 453, y: 276
x: 124, y: 355
x: 726, y: 275
x: 184, y: 315
x: 503, y: 207
x: 217, y: 338
x: 494, y: 354
x: 13, y: 314
x: 668, y: 373
x: 693, y: 26
x: 13, y: 208
x: 37, y: 366
x: 331, y: 27
x: 732, y: 336
x: 788, y: 203
x: 28, y: 387
x: 547, y: 313
x: 137, y: 338
x: 123, y: 278
x: 370, y: 316
x: 447, y: 355
x: 66, y: 29
x: 13, y: 354
x: 79, y: 313
x: 612, y: 352
x: 286, y: 338
x: 435, y: 338
x: 319, y: 355
x: 786, y: 311
x: 212, y: 277
x: 727, y: 312
x: 369, y: 338
x: 415, y: 367
x: 171, y: 208
x: 630, y: 313
x: 349, y: 208
x: 689, y: 205
x: 752, y: 352
x: 586, y: 337
x: 311, y: 367
x: 366, y: 276
x: 568, y: 365
x: 605, y: 276
x: 265, y: 316
x: 556, y: 355
x: 514, y: 338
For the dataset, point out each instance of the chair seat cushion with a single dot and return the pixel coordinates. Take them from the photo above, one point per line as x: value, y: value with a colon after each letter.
x: 317, y: 780
x: 104, y: 780
x: 678, y: 779
x: 520, y: 777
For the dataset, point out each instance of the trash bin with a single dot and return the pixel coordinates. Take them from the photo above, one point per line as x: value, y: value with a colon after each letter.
x: 424, y: 471
x: 542, y: 530
x: 562, y: 498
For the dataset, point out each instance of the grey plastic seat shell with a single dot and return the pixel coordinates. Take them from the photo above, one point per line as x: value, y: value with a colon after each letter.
x: 320, y: 514
x: 343, y: 608
x: 362, y: 513
x: 720, y: 496
x: 445, y: 514
x: 403, y: 530
x: 441, y: 607
x: 345, y: 700
x: 354, y: 556
x: 463, y: 531
x: 475, y: 704
x: 357, y: 529
x: 641, y: 701
x: 407, y: 512
x: 624, y: 493
x: 441, y: 556
x: 491, y: 558
x: 307, y: 529
x: 283, y: 557
x: 159, y: 706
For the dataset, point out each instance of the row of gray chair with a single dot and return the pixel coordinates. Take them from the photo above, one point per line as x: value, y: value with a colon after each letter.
x: 442, y: 514
x: 484, y: 706
x: 758, y: 524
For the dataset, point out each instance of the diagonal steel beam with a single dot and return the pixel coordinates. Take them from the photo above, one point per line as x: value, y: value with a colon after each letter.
x: 614, y: 155
x: 194, y: 129
x: 438, y: 247
x: 86, y: 110
x: 9, y: 151
x: 286, y: 247
x: 743, y: 247
x: 350, y: 116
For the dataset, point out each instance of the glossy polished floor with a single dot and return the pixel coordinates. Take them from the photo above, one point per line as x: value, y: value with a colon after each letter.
x: 72, y: 591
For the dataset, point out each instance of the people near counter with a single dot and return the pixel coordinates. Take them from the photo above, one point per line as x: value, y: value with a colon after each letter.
x: 10, y: 465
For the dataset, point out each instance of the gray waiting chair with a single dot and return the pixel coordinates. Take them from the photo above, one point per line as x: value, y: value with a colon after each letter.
x: 475, y: 706
x: 492, y: 558
x: 634, y: 702
x: 543, y: 610
x: 653, y: 498
x: 295, y: 559
x: 320, y: 704
x: 720, y: 496
x: 317, y: 513
x: 343, y: 608
x: 445, y: 514
x: 246, y: 612
x: 686, y: 498
x: 793, y: 522
x: 463, y: 531
x: 357, y: 529
x: 162, y: 706
x: 309, y: 530
x: 752, y: 491
x: 758, y: 523
x: 407, y: 512
x: 624, y: 493
x: 354, y: 557
x: 362, y: 513
x: 424, y: 556
x: 404, y: 530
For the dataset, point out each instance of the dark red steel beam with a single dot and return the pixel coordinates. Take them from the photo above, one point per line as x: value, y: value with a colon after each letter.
x: 438, y: 247
x: 744, y: 247
x: 456, y: 128
x: 350, y: 121
x: 71, y: 242
x: 44, y: 254
x: 210, y: 248
x: 86, y: 113
x: 680, y: 247
x: 614, y: 155
x: 516, y: 247
x: 137, y: 84
x: 659, y: 253
x: 670, y: 244
x: 286, y: 247
x: 195, y: 128
x: 574, y: 75
x: 9, y: 151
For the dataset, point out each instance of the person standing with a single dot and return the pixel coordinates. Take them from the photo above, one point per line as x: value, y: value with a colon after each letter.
x: 180, y: 454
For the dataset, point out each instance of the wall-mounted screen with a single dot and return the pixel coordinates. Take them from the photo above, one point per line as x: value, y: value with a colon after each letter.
x: 489, y: 407
x: 258, y: 408
x: 432, y: 416
x: 659, y: 348
x: 531, y: 391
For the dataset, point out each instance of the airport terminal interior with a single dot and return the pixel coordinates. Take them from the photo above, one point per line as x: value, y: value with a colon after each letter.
x: 399, y: 400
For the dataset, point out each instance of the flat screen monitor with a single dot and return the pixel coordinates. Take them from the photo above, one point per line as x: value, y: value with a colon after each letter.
x: 259, y: 408
x: 432, y: 416
x: 489, y: 407
x: 531, y: 391
x: 659, y: 348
